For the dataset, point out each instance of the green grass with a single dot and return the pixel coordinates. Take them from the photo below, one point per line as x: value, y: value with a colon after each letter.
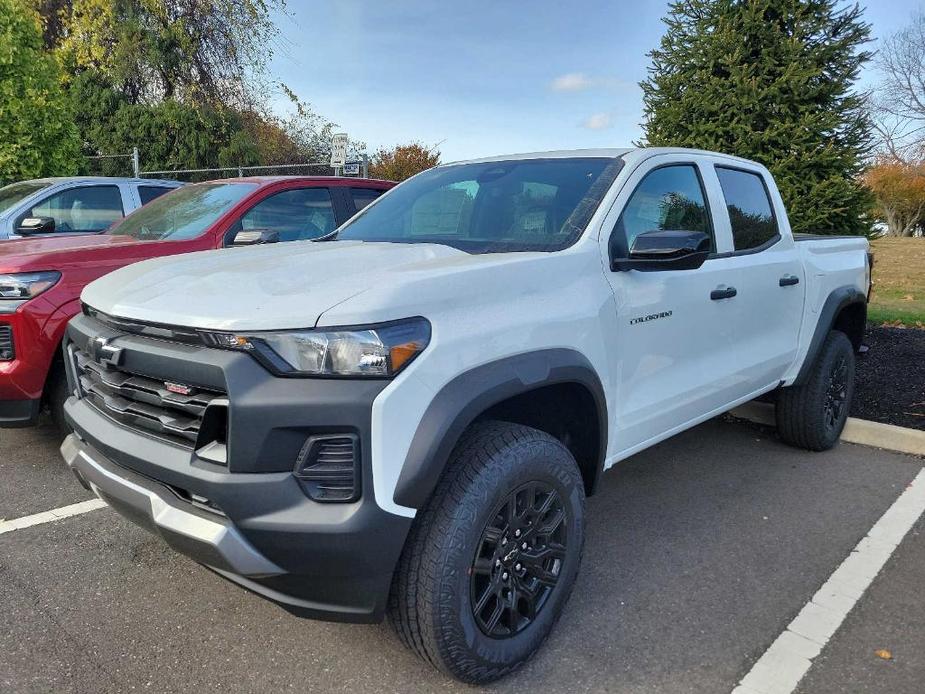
x: 899, y: 282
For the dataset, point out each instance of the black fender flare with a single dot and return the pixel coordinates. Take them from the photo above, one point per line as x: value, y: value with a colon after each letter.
x: 469, y: 394
x: 837, y: 300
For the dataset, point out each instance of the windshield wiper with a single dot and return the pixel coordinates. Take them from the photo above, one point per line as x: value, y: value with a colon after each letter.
x: 330, y: 236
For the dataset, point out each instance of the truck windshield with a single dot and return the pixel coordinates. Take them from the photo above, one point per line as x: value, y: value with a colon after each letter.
x: 493, y: 207
x: 11, y: 195
x: 184, y: 213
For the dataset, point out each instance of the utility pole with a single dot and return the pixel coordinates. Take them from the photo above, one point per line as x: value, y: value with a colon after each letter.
x: 136, y: 165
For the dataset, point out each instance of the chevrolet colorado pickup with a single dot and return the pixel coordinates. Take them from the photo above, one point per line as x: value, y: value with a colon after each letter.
x: 406, y: 416
x: 41, y: 278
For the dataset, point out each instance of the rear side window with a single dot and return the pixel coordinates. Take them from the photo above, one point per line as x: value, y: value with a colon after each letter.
x: 149, y: 193
x: 668, y: 198
x: 297, y: 215
x: 363, y: 196
x: 85, y: 209
x: 749, y: 206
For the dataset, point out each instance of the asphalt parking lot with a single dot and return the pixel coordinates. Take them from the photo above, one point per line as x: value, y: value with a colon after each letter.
x: 700, y: 551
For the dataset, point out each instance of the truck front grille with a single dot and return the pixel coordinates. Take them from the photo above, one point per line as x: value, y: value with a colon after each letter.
x: 142, y: 403
x: 7, y: 353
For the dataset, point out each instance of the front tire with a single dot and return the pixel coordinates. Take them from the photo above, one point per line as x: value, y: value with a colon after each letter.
x: 56, y: 395
x: 813, y: 415
x: 491, y: 560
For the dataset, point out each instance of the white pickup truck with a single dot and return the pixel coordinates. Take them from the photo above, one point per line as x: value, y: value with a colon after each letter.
x: 405, y: 418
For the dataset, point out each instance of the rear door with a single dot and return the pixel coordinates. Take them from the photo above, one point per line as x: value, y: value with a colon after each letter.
x: 768, y: 276
x: 675, y: 343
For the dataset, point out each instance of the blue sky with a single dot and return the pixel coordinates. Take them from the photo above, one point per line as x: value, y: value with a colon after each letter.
x: 483, y: 77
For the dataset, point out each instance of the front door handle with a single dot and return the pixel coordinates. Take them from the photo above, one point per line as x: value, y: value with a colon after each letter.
x: 723, y: 293
x: 789, y: 280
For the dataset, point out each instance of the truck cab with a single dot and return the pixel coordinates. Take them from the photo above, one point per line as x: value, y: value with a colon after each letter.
x: 74, y: 205
x: 404, y: 417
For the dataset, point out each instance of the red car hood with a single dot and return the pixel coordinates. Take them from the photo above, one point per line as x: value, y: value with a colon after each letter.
x: 57, y: 253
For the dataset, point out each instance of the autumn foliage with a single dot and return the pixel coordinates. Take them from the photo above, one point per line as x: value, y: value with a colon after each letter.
x: 899, y: 194
x: 403, y: 161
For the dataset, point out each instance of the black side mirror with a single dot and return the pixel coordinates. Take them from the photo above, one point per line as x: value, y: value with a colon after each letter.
x: 663, y: 249
x: 255, y: 237
x: 36, y: 225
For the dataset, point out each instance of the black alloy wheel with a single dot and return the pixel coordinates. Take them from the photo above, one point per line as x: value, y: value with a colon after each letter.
x: 519, y: 560
x: 836, y: 394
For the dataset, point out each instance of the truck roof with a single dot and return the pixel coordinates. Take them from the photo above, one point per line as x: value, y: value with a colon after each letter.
x: 606, y: 153
x: 98, y: 179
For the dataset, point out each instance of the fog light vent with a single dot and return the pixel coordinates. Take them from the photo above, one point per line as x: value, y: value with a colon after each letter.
x: 7, y: 353
x: 328, y: 467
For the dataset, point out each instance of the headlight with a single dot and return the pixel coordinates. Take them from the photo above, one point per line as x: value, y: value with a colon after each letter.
x: 26, y: 285
x: 376, y: 350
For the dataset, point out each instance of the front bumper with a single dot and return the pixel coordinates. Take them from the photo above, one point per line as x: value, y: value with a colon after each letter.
x: 22, y: 379
x: 248, y: 519
x: 19, y: 413
x: 205, y: 535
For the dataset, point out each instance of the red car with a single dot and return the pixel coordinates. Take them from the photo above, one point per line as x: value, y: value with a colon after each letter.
x: 41, y: 279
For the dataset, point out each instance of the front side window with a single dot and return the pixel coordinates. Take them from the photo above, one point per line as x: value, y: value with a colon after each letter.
x: 86, y: 209
x: 492, y: 207
x: 668, y: 198
x: 15, y: 192
x: 749, y: 206
x: 184, y: 213
x: 297, y: 215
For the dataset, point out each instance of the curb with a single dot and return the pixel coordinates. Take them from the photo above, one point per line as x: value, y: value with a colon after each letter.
x: 862, y: 431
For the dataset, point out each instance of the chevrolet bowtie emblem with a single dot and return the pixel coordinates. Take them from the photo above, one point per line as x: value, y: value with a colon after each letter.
x: 103, y: 352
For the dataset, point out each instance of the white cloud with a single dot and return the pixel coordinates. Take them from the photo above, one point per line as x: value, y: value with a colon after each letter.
x: 580, y: 82
x: 572, y: 82
x: 598, y: 121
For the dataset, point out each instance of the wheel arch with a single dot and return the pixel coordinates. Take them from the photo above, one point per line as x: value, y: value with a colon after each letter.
x: 845, y: 309
x: 521, y: 389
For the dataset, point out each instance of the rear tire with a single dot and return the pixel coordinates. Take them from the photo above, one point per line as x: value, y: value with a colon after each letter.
x: 467, y: 596
x: 813, y: 414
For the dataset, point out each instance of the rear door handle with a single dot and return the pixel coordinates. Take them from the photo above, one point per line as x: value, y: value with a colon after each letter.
x: 723, y: 293
x: 789, y: 280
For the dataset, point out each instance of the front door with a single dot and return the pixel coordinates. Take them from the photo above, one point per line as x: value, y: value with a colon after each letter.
x: 675, y: 336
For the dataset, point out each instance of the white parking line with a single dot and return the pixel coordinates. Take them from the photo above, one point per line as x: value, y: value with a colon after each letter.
x: 784, y: 664
x: 49, y: 516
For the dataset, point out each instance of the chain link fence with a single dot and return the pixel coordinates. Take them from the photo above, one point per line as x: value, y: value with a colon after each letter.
x: 130, y: 165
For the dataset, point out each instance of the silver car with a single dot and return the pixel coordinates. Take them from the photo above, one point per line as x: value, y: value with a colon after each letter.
x: 74, y: 205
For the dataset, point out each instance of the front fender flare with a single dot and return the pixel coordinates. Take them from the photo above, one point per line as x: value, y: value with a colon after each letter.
x: 469, y: 394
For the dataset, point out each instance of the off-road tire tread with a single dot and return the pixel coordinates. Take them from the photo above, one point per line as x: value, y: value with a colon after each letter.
x: 798, y: 411
x: 412, y: 599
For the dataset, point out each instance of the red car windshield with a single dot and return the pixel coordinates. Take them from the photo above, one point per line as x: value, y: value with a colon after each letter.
x: 184, y: 213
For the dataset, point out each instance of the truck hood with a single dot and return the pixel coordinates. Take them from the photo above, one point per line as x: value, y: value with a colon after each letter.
x: 273, y: 287
x: 51, y: 253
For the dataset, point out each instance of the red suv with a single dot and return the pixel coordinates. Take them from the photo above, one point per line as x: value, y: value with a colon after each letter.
x: 41, y: 279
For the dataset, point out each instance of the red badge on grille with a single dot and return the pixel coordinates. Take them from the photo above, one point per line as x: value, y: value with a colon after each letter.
x: 178, y: 388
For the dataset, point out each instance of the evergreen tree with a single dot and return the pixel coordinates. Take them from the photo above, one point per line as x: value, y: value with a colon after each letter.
x: 37, y: 134
x: 769, y: 80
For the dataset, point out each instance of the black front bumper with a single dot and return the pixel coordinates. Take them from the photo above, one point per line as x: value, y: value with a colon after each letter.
x: 19, y: 413
x: 323, y: 560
